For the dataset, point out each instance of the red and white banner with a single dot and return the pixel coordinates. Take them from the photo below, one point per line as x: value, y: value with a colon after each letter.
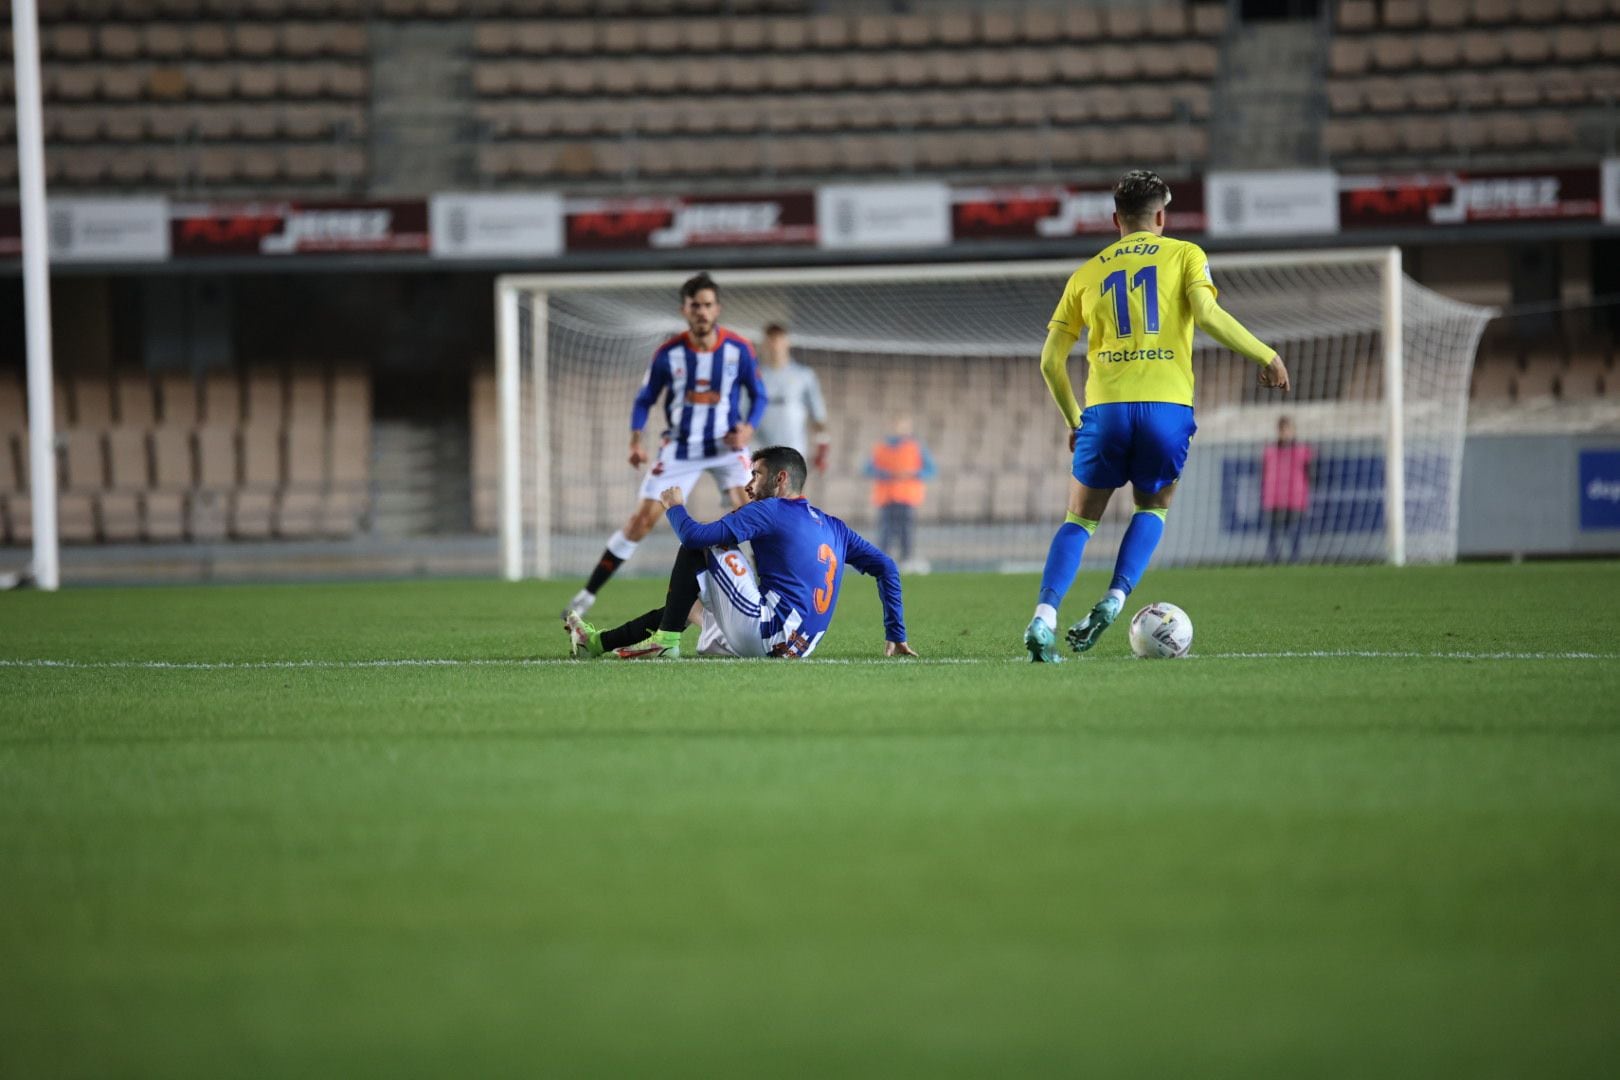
x: 1468, y: 198
x: 1055, y: 212
x: 691, y: 221
x: 200, y: 230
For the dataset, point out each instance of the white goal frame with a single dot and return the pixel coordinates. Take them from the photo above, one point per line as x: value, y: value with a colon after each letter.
x: 509, y: 289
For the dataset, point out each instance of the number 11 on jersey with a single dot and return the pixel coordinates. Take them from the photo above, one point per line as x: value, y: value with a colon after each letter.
x: 1146, y: 279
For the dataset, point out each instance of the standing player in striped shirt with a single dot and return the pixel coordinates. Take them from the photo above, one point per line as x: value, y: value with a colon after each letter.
x: 700, y: 375
x: 1137, y: 301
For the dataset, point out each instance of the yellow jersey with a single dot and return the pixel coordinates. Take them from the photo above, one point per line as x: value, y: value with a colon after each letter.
x: 1133, y: 301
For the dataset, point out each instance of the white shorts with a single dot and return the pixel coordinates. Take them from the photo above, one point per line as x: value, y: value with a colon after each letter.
x: 730, y: 470
x: 731, y: 607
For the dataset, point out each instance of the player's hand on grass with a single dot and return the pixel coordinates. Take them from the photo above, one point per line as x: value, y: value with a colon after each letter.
x: 898, y: 648
x: 671, y: 497
x: 737, y: 438
x: 1274, y: 376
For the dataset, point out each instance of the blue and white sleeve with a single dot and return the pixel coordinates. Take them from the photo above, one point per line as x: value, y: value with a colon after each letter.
x: 656, y: 382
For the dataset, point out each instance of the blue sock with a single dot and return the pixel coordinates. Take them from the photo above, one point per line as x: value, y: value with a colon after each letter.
x: 1141, y: 538
x: 1063, y: 558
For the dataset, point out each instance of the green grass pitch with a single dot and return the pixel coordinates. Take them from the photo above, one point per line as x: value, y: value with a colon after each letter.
x: 274, y: 858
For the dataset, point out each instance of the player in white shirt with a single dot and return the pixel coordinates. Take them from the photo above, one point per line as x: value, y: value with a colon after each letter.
x: 797, y: 408
x: 700, y: 375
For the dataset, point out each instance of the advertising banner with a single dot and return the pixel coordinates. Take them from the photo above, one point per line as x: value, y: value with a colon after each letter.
x: 497, y: 226
x: 202, y: 230
x: 1053, y: 212
x: 1471, y: 198
x: 1600, y: 489
x: 853, y: 216
x: 1611, y: 191
x: 1277, y: 203
x: 95, y: 230
x: 690, y: 221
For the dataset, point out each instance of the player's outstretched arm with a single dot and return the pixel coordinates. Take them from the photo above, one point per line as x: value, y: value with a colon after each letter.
x: 864, y: 556
x: 1055, y: 370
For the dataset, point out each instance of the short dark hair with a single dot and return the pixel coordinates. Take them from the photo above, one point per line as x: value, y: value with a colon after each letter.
x: 772, y: 329
x: 1139, y: 193
x: 696, y: 284
x: 785, y: 459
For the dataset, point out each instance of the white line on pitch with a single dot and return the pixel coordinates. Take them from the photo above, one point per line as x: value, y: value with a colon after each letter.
x: 356, y: 665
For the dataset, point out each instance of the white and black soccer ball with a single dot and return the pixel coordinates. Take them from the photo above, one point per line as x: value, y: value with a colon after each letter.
x: 1161, y: 632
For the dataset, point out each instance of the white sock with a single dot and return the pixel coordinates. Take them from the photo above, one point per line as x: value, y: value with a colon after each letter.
x: 1118, y: 594
x: 622, y: 546
x: 582, y: 601
x: 1047, y: 614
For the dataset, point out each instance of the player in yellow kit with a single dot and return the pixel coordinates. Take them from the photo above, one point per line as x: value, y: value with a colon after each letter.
x: 1137, y: 302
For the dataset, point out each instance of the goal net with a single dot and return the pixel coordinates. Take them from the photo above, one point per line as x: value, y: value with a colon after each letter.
x: 1380, y: 365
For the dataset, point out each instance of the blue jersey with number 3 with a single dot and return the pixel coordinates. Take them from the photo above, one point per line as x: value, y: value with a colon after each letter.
x: 799, y: 557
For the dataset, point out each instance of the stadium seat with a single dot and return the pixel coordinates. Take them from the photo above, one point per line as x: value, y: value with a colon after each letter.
x: 1209, y: 20
x: 251, y: 514
x: 1481, y: 48
x: 1440, y: 51
x: 1402, y: 14
x: 1585, y: 378
x: 1539, y: 379
x: 1517, y: 89
x: 1082, y: 23
x: 1393, y: 52
x: 221, y: 400
x: 1528, y: 46
x: 135, y: 406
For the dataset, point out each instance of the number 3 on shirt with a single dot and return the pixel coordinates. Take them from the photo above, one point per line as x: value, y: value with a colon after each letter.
x: 824, y: 597
x: 1146, y: 279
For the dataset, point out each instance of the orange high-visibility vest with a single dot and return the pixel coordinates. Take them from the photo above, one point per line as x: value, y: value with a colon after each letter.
x: 904, y: 458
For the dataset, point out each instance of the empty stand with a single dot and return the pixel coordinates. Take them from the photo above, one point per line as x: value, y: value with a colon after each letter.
x: 1500, y: 78
x: 173, y: 458
x: 649, y: 98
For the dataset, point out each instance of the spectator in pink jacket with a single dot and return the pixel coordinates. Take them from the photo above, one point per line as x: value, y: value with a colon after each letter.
x: 1286, y: 471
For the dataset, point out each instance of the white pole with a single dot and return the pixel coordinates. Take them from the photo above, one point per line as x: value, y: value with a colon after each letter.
x: 539, y: 330
x: 508, y: 392
x: 36, y: 290
x: 1395, y: 399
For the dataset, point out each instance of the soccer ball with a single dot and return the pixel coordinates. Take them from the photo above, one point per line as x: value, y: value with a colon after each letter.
x: 1161, y: 632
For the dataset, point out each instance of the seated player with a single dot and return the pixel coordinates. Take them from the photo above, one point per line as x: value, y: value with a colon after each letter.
x: 785, y: 610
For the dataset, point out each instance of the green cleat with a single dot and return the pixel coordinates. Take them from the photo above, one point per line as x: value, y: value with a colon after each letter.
x: 582, y: 636
x: 660, y: 646
x: 1084, y: 634
x: 1041, y: 641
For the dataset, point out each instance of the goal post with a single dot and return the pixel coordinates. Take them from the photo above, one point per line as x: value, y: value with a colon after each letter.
x: 1381, y: 367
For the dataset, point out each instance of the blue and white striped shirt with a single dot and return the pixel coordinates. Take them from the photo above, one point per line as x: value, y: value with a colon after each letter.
x: 702, y: 392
